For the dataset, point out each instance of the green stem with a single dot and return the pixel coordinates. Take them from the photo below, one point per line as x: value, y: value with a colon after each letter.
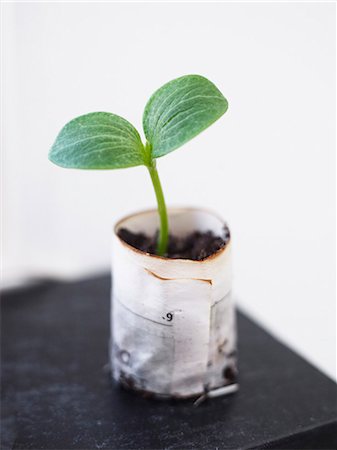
x: 164, y: 229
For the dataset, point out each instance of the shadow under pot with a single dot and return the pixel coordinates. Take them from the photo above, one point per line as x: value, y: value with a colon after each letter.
x: 173, y: 320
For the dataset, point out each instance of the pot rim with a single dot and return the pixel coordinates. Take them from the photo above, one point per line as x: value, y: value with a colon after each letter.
x: 164, y: 258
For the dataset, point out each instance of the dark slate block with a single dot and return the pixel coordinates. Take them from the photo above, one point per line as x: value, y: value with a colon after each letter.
x: 57, y: 392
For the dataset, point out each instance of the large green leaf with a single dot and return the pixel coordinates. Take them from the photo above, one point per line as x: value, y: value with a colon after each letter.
x: 98, y: 141
x: 180, y: 110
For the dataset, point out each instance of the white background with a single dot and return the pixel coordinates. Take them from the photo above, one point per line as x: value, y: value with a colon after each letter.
x: 268, y: 166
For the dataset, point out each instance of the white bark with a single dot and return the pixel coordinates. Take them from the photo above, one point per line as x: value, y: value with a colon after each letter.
x: 173, y: 320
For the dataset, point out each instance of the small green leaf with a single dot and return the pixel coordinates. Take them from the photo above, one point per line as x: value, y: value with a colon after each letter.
x: 98, y: 140
x: 179, y: 111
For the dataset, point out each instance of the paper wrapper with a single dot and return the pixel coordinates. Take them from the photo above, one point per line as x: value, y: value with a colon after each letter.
x: 173, y: 320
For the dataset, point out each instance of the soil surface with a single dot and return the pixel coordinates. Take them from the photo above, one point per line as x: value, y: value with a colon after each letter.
x: 196, y: 246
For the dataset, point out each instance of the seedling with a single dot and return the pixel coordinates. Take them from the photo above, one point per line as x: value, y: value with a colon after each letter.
x: 175, y: 113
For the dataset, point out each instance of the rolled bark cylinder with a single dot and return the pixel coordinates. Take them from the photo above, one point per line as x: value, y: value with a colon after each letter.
x: 173, y: 320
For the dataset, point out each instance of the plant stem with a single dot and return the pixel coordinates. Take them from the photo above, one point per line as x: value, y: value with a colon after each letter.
x: 163, y: 232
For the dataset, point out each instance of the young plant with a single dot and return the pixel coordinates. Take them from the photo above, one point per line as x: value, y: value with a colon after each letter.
x: 175, y: 113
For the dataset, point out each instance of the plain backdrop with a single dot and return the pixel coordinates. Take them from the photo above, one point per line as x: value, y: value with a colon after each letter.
x: 268, y: 166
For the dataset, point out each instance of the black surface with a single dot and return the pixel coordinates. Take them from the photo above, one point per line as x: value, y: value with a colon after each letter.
x: 57, y: 392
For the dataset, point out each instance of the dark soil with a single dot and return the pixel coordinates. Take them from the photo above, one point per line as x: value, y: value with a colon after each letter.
x: 196, y: 246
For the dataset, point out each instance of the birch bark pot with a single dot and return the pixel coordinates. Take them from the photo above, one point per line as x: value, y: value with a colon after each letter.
x: 173, y: 320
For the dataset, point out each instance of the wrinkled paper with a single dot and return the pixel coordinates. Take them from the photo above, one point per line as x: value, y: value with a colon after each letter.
x: 173, y: 321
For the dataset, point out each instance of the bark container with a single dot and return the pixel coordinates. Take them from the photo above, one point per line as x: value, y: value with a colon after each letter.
x: 173, y: 320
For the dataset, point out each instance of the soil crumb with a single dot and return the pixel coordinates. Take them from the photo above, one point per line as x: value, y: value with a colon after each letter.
x: 196, y: 246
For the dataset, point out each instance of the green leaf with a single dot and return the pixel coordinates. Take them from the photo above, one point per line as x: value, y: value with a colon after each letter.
x: 98, y: 140
x: 179, y: 111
